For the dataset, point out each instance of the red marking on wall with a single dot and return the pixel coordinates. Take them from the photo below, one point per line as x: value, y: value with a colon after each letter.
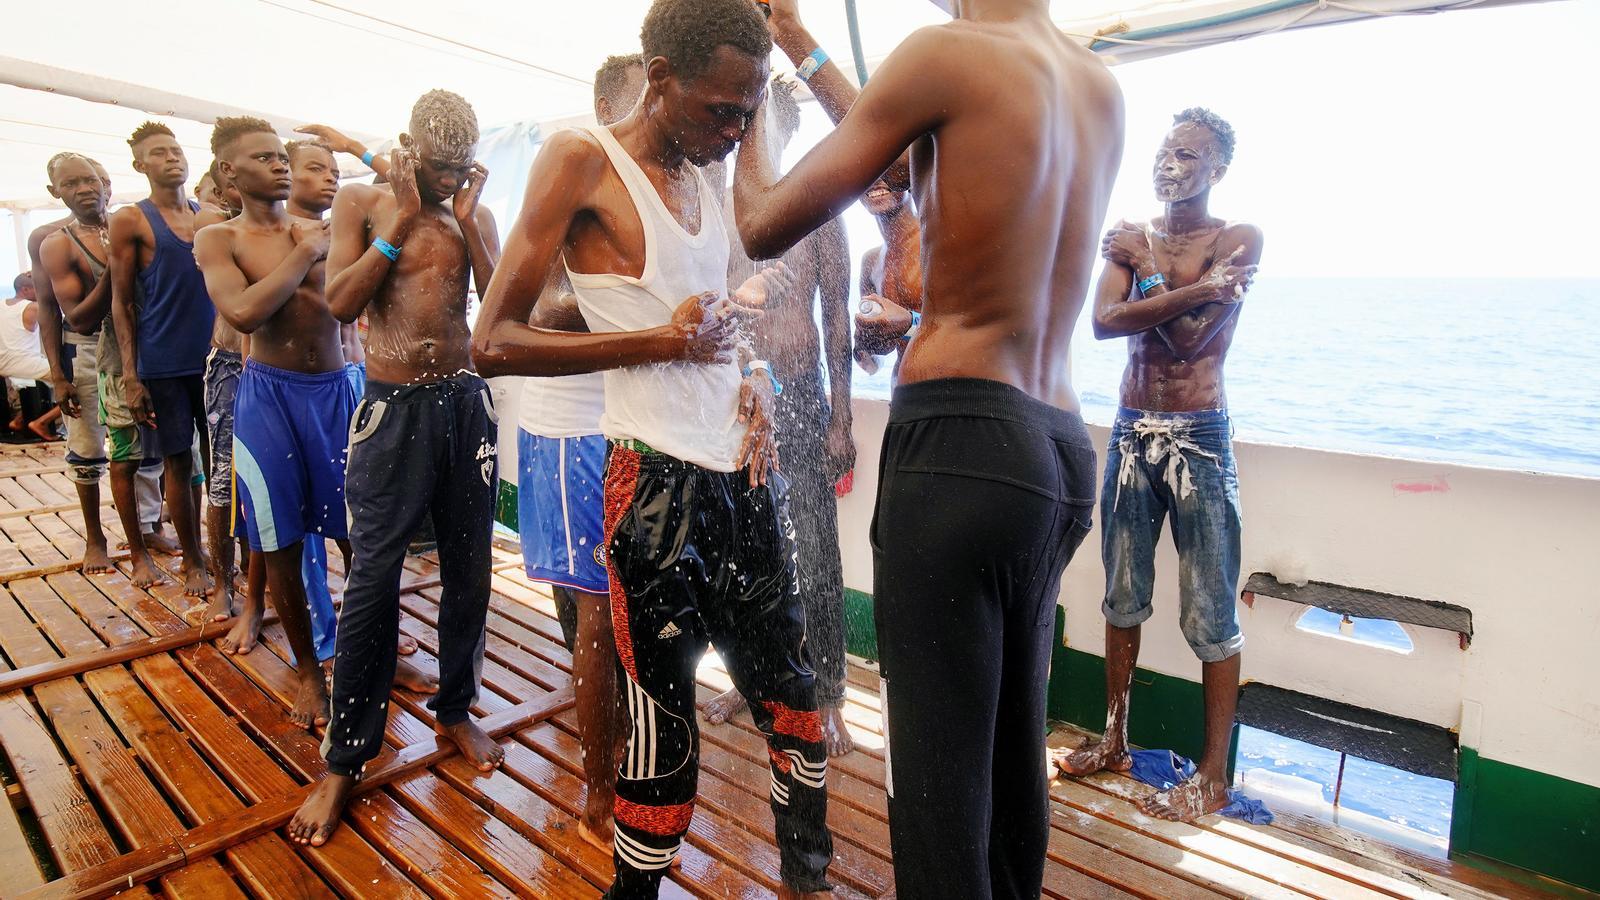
x: 1436, y: 486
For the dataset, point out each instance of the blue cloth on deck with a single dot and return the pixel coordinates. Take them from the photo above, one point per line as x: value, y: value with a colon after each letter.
x: 1165, y: 770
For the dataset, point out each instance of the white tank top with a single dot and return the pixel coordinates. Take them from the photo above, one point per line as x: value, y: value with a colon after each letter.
x: 563, y: 406
x: 20, y: 356
x: 685, y: 410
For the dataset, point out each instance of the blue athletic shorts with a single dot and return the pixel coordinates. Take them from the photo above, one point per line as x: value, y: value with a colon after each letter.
x: 290, y: 435
x: 560, y: 506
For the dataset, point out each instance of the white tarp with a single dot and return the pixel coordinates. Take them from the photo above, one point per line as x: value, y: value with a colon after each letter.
x: 359, y: 64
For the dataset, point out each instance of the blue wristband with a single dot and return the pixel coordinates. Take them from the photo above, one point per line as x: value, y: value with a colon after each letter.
x: 366, y: 159
x: 814, y: 60
x: 916, y: 325
x: 1145, y: 284
x: 777, y: 388
x: 386, y: 248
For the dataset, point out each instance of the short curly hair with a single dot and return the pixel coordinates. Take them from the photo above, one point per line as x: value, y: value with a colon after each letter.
x: 613, y: 74
x: 294, y: 147
x: 448, y: 121
x: 687, y: 32
x: 781, y: 95
x: 1219, y: 127
x: 229, y: 129
x: 149, y: 129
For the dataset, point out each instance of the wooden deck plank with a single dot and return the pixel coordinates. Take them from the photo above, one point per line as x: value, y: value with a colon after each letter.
x: 405, y: 843
x: 1371, y: 869
x: 24, y: 871
x: 717, y: 797
x: 1194, y: 839
x: 218, y: 834
x: 140, y: 814
x: 507, y: 855
x: 77, y: 836
x: 144, y: 815
x: 735, y: 846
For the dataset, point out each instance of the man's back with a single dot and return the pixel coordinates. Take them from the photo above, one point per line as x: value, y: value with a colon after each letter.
x: 1012, y: 190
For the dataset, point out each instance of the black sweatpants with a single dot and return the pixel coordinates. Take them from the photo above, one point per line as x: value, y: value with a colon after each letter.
x: 414, y: 450
x: 984, y: 494
x: 697, y: 556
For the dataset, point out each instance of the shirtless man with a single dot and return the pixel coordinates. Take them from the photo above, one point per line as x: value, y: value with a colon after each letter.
x: 73, y: 258
x: 264, y: 269
x: 224, y: 364
x: 1173, y: 288
x: 987, y: 485
x: 163, y: 324
x: 422, y: 438
x: 891, y: 278
x: 699, y: 547
x: 815, y: 447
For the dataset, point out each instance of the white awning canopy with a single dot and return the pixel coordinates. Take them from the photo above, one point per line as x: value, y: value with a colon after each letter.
x: 81, y: 77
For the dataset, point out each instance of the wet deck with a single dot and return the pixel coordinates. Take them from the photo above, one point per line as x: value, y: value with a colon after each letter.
x: 164, y: 774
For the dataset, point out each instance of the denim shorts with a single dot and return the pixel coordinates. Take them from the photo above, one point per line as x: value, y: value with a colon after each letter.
x: 1178, y: 464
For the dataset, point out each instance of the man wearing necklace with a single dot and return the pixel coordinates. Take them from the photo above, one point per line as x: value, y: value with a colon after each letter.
x: 1174, y: 288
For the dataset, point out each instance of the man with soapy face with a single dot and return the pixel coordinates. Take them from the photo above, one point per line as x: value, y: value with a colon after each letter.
x: 1174, y: 287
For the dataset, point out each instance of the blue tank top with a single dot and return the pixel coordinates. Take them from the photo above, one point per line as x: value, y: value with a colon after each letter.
x: 175, y: 312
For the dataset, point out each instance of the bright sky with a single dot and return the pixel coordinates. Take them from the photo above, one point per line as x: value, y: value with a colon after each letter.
x: 1452, y: 144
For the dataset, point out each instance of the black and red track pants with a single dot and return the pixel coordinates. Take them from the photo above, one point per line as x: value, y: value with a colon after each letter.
x: 697, y: 556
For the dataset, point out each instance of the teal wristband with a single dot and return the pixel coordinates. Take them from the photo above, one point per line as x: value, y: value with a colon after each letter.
x: 386, y: 248
x: 916, y: 325
x: 777, y: 387
x: 813, y: 61
x: 1145, y: 284
x: 366, y: 159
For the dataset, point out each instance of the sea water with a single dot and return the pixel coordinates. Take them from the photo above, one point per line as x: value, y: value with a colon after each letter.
x: 1486, y: 372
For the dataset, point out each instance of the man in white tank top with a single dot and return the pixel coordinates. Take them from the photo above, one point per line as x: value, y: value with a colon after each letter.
x: 699, y: 546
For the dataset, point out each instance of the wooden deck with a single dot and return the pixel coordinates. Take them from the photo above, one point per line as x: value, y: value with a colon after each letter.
x: 164, y: 773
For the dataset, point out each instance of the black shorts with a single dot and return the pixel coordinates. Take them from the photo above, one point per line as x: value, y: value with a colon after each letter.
x: 180, y: 406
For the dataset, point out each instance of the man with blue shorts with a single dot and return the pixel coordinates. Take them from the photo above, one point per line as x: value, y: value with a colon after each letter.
x: 1173, y: 287
x: 561, y: 463
x: 264, y: 269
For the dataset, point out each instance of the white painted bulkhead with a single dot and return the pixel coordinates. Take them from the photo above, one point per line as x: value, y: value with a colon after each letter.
x: 1521, y: 550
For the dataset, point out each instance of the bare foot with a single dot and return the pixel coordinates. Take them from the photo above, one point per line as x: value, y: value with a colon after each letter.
x: 407, y: 644
x: 1199, y: 796
x: 158, y: 542
x: 314, y: 822
x: 834, y: 734
x: 145, y: 573
x: 44, y: 431
x: 596, y: 837
x: 196, y: 580
x: 16, y: 423
x: 1100, y: 756
x: 242, y: 637
x: 413, y: 679
x: 96, y: 561
x: 723, y: 707
x: 788, y: 893
x: 475, y: 744
x: 220, y: 609
x: 311, y: 705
